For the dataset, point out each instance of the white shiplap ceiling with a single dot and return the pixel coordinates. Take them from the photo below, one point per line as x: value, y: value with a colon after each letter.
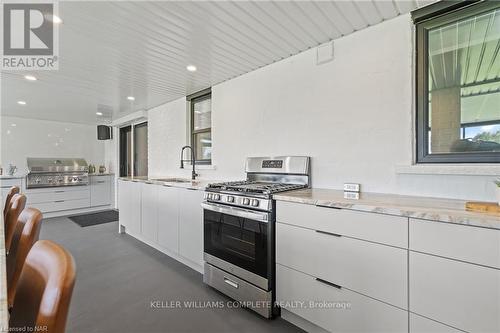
x: 109, y: 50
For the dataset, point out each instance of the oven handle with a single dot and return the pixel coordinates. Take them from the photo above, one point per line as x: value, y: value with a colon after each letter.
x: 252, y: 215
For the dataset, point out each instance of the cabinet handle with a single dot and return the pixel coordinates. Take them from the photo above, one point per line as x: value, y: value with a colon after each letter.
x: 328, y: 233
x: 231, y: 283
x: 59, y: 191
x: 101, y: 181
x: 325, y: 206
x: 59, y: 201
x: 329, y: 283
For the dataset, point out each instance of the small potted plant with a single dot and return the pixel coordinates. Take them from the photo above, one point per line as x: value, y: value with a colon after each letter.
x: 497, y: 182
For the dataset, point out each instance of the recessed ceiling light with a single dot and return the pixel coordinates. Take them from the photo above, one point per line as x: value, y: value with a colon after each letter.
x: 99, y: 113
x: 191, y: 68
x: 21, y: 102
x: 131, y: 98
x: 30, y: 78
x: 13, y: 125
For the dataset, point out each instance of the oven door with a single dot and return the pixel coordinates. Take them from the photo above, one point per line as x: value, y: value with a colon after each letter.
x: 239, y: 237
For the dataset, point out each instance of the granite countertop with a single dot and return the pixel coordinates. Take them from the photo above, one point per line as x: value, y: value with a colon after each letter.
x: 433, y: 209
x: 4, y: 318
x: 101, y: 174
x: 191, y: 185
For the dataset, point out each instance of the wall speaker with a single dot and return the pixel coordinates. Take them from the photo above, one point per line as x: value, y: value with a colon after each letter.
x: 104, y: 132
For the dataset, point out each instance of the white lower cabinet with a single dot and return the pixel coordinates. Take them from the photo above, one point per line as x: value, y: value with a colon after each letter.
x: 419, y: 324
x: 191, y: 226
x: 455, y: 293
x: 101, y: 189
x: 149, y: 211
x: 376, y: 270
x: 335, y: 310
x: 168, y: 218
x: 57, y: 199
x: 129, y: 205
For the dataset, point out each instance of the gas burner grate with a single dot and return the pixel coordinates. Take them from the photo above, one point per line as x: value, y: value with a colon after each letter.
x: 255, y: 187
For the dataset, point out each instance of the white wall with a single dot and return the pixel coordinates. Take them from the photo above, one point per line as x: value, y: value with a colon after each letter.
x: 22, y: 138
x: 353, y: 116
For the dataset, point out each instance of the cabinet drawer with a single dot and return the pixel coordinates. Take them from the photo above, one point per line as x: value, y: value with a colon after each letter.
x: 336, y: 310
x: 46, y: 207
x: 419, y: 324
x: 372, y: 269
x: 57, y: 195
x: 458, y: 294
x: 100, y: 179
x: 387, y: 229
x: 466, y: 243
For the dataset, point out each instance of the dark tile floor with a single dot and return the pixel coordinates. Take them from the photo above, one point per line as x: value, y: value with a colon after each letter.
x: 118, y: 277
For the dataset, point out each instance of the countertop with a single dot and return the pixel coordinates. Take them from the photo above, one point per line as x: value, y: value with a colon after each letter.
x: 101, y: 174
x: 16, y: 176
x: 433, y: 209
x: 191, y: 185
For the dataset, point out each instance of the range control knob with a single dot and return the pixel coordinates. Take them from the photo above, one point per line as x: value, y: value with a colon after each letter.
x: 216, y: 196
x: 246, y: 201
x: 209, y: 196
x: 255, y: 203
x: 230, y: 198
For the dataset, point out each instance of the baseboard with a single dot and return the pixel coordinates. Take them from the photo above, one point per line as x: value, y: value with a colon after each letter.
x: 63, y: 213
x: 300, y: 322
x: 169, y: 253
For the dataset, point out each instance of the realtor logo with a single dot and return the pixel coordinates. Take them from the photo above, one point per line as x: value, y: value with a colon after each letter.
x: 29, y: 36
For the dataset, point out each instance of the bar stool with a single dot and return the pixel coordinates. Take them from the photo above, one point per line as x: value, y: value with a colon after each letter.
x: 26, y: 233
x: 13, y: 190
x: 17, y: 205
x: 44, y: 289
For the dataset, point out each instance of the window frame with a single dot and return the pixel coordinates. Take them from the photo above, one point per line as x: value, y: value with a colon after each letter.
x: 123, y: 147
x: 425, y: 19
x: 198, y: 97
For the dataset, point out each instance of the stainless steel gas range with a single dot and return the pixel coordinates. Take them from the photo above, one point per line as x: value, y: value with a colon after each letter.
x: 239, y: 229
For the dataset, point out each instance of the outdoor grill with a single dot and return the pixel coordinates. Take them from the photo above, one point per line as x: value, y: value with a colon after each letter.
x: 53, y: 172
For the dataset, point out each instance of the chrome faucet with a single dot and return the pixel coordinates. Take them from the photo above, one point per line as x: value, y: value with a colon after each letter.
x: 193, y: 161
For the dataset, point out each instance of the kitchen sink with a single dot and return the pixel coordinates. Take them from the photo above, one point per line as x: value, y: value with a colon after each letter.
x: 173, y: 180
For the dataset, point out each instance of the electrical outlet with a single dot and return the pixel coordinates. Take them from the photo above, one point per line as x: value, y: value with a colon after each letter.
x: 351, y: 195
x: 352, y: 187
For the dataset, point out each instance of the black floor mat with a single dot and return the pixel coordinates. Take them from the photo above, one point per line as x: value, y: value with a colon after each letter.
x: 87, y: 220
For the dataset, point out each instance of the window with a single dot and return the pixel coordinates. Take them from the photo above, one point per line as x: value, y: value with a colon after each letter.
x: 458, y: 82
x: 201, y: 126
x: 134, y: 150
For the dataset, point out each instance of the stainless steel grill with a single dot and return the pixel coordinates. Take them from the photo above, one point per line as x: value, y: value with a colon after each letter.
x: 52, y: 172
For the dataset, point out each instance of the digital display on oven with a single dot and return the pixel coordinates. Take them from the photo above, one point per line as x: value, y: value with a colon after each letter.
x: 272, y: 164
